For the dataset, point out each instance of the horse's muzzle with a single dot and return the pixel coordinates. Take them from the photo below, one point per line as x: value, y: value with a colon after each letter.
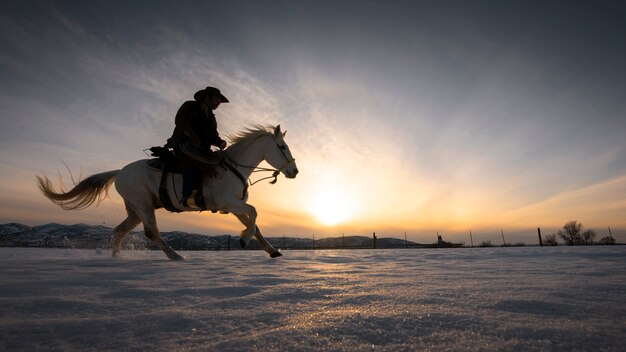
x: 290, y: 173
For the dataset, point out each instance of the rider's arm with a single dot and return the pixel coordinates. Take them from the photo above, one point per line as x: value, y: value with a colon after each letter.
x: 213, y: 137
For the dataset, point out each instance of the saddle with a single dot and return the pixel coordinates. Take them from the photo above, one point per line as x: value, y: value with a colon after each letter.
x: 166, y: 161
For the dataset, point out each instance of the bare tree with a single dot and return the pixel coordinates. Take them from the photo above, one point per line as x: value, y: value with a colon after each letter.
x: 486, y: 244
x: 589, y: 236
x: 551, y: 240
x: 571, y: 233
x: 607, y: 240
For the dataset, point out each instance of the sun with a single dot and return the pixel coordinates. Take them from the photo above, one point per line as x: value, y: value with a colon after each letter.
x: 331, y: 207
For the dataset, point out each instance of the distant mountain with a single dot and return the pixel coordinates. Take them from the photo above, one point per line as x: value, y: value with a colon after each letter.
x: 11, y: 228
x: 90, y: 237
x: 96, y: 236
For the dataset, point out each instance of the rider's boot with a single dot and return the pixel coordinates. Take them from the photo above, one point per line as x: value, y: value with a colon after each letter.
x: 190, y: 201
x: 192, y: 181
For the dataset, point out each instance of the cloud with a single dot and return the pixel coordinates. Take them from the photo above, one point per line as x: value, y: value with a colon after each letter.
x: 418, y: 123
x: 596, y: 204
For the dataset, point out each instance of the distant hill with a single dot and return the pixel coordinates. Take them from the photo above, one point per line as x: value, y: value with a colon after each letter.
x: 96, y: 236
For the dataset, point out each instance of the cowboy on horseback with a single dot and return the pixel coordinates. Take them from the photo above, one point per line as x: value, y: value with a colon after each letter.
x: 194, y: 135
x: 146, y: 187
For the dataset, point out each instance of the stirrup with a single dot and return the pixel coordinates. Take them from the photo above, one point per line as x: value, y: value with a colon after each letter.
x: 190, y: 202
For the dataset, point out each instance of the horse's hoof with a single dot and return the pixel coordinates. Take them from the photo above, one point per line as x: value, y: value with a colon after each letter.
x: 276, y: 254
x: 175, y: 256
x: 244, y: 240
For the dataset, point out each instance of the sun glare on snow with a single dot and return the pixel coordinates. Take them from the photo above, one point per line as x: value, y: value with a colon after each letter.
x: 331, y: 207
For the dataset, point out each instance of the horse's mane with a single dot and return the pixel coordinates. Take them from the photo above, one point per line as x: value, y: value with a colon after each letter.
x: 242, y: 139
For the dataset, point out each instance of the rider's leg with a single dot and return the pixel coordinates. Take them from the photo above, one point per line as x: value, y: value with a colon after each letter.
x: 192, y: 179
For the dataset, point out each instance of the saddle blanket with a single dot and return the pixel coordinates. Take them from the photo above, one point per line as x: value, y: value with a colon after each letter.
x: 171, y: 192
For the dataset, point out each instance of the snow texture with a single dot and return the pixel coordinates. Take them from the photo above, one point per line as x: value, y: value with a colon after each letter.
x: 470, y: 299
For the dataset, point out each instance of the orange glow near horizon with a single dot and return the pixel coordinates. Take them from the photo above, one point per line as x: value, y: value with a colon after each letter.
x: 329, y: 204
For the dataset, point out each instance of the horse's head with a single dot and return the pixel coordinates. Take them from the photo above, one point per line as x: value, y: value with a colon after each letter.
x: 280, y: 155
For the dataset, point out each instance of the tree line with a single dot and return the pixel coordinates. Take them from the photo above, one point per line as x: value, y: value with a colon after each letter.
x: 572, y: 233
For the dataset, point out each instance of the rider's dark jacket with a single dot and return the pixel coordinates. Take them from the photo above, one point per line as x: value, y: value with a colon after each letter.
x: 196, y: 126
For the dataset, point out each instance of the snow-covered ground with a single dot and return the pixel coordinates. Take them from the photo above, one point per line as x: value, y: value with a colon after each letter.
x: 471, y: 299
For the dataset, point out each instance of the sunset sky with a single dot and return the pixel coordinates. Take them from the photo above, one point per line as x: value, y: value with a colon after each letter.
x: 403, y: 116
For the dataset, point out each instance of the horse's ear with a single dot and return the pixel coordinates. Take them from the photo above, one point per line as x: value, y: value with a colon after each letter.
x: 277, y: 131
x: 284, y: 133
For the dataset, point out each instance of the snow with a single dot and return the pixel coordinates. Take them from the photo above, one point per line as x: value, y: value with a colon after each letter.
x: 471, y: 299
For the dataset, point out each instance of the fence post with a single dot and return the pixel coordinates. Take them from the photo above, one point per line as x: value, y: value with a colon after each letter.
x: 539, y: 233
x: 374, y: 239
x: 471, y: 239
x: 611, y: 235
x: 228, y: 242
x: 406, y: 241
x: 503, y: 242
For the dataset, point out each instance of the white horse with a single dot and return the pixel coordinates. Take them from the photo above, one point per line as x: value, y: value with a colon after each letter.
x: 138, y: 184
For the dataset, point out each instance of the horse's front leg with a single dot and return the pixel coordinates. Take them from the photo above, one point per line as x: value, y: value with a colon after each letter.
x: 247, y: 215
x: 273, y: 252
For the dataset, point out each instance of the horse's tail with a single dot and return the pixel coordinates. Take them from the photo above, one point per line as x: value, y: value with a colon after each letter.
x: 84, y: 194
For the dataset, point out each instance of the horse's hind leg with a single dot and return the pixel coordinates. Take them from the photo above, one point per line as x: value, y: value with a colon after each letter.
x: 123, y: 229
x: 152, y: 232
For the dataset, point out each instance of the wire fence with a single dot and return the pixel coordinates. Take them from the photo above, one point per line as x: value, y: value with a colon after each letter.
x: 538, y: 236
x: 185, y: 241
x: 501, y: 238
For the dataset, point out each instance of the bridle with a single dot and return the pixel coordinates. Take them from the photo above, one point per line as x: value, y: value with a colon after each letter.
x: 288, y: 161
x: 275, y: 172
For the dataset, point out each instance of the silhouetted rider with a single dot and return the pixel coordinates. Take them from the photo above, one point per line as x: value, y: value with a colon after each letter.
x: 196, y: 132
x: 196, y: 124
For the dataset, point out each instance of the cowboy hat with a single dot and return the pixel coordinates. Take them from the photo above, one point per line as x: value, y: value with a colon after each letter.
x: 199, y: 96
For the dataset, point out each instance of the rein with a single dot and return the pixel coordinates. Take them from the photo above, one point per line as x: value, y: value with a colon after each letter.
x: 229, y: 162
x: 275, y: 173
